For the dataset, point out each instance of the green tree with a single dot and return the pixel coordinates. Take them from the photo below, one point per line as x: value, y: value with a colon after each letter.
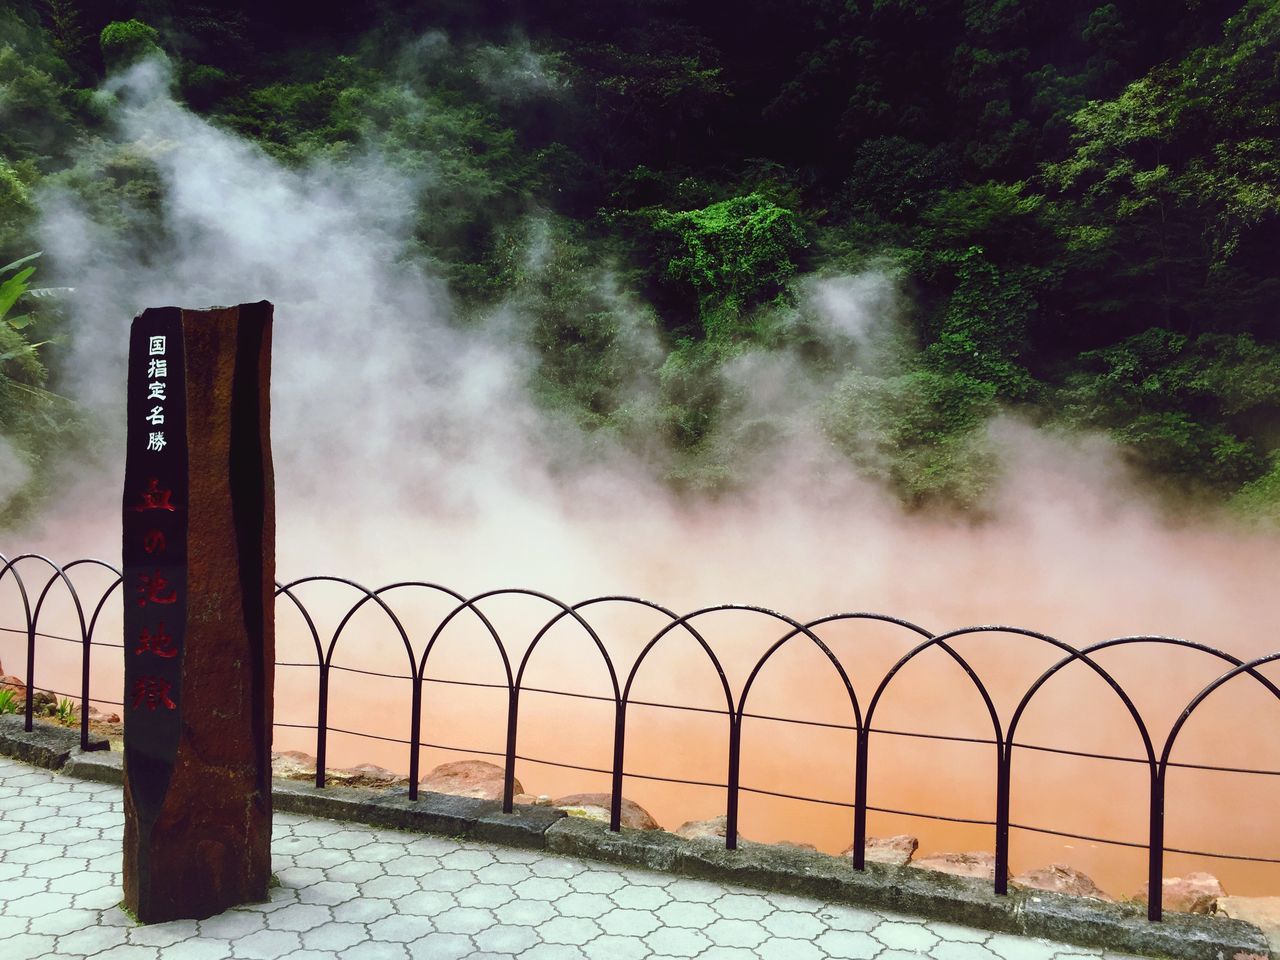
x: 732, y: 256
x: 33, y: 421
x: 124, y: 42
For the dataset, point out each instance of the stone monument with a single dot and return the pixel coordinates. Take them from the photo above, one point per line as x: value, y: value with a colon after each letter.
x: 199, y: 626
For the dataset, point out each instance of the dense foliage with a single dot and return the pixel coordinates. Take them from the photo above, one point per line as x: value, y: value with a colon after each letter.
x: 1080, y: 198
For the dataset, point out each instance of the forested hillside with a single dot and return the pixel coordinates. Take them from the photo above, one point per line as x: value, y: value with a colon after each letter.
x: 1078, y: 202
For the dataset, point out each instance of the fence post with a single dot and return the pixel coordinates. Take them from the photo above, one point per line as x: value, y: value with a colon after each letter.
x: 1155, y: 861
x: 1004, y: 760
x: 860, y: 798
x: 509, y: 766
x: 619, y: 751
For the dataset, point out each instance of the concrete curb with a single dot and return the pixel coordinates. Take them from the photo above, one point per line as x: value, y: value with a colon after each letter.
x: 925, y: 893
x: 48, y: 745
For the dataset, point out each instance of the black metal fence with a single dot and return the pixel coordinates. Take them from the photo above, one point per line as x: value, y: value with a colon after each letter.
x: 1156, y: 754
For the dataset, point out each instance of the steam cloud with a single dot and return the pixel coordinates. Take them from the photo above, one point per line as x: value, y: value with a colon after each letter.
x: 406, y: 442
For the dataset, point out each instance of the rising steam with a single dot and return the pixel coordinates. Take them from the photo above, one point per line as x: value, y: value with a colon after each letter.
x: 407, y: 444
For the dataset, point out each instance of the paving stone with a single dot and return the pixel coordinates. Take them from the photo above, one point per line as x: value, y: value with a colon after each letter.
x: 793, y: 925
x: 612, y: 947
x: 1022, y: 948
x: 951, y: 950
x: 507, y: 873
x: 542, y: 888
x: 848, y: 944
x: 334, y: 936
x: 28, y: 945
x: 484, y: 895
x: 584, y: 905
x: 732, y: 953
x: 426, y: 903
x: 597, y: 881
x: 955, y: 932
x: 506, y: 939
x: 905, y: 936
x: 525, y: 912
x: 364, y: 910
x: 39, y: 904
x: 441, y: 946
x: 447, y: 880
x: 412, y: 865
x: 839, y: 917
x: 401, y: 929
x: 389, y: 888
x: 12, y: 926
x: 370, y: 950
x: 629, y: 923
x: 24, y: 886
x: 787, y: 948
x: 736, y: 933
x: 102, y: 898
x: 299, y: 917
x: 300, y: 877
x: 378, y: 852
x: 201, y: 950
x: 127, y: 951
x: 574, y: 930
x: 56, y: 869
x: 735, y: 906
x: 556, y: 867
x: 232, y: 925
x: 163, y: 934
x: 640, y: 898
x: 92, y: 940
x: 322, y: 858
x: 553, y: 951
x: 466, y: 859
x: 16, y: 840
x: 266, y: 944
x: 82, y: 881
x: 465, y: 920
x: 676, y: 942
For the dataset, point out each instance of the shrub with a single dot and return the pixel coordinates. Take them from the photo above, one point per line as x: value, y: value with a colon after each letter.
x: 125, y: 42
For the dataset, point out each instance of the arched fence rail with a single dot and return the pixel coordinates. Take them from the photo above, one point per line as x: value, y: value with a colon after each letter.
x: 43, y: 577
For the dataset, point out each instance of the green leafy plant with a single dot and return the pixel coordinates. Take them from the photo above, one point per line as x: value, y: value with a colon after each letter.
x: 65, y: 712
x: 8, y: 702
x: 124, y: 42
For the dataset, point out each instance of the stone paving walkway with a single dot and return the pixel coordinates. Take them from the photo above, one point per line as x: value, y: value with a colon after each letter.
x: 349, y: 892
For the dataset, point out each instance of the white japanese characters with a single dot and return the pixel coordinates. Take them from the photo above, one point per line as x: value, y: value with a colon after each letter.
x: 157, y: 374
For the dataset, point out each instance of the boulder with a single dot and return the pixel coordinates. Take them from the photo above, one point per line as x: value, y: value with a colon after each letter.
x: 541, y: 800
x: 293, y: 765
x: 595, y: 806
x: 97, y: 716
x: 894, y: 851
x: 978, y: 864
x: 794, y: 845
x: 1262, y: 912
x: 712, y: 829
x: 1194, y: 893
x: 296, y: 765
x: 468, y: 778
x: 43, y: 703
x: 1059, y: 878
x: 365, y: 775
x: 16, y: 684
